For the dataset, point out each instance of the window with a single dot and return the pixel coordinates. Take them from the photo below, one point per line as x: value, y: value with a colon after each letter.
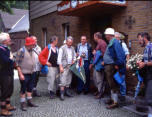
x: 44, y: 36
x: 66, y: 29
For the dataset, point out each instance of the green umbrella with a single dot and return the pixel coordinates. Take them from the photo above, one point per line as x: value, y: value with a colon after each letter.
x: 78, y: 71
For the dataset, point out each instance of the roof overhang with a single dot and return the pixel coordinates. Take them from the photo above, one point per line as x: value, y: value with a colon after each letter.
x: 86, y: 8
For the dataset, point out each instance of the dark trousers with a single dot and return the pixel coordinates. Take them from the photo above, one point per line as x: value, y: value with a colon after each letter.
x: 6, y: 86
x: 80, y: 85
x: 109, y: 73
x: 28, y: 83
x: 36, y: 79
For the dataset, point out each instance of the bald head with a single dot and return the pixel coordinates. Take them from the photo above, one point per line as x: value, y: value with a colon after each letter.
x: 35, y: 38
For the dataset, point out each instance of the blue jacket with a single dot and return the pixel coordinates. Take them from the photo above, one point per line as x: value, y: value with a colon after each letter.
x: 118, y: 55
x: 98, y: 60
x: 116, y: 52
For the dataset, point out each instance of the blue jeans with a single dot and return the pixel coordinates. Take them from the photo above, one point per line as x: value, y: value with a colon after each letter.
x: 81, y: 86
x: 123, y: 87
x: 28, y: 83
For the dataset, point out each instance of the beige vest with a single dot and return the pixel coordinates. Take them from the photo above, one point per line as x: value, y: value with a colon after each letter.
x: 28, y: 62
x: 65, y: 55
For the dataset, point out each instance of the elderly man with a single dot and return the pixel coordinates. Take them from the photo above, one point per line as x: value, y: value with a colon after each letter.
x: 99, y: 75
x: 114, y: 60
x: 48, y: 57
x: 84, y: 50
x: 25, y: 61
x: 120, y: 38
x: 6, y: 75
x: 66, y: 57
x: 144, y: 41
x: 37, y: 51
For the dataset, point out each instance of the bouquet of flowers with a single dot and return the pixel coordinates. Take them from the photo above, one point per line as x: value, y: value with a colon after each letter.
x: 132, y: 62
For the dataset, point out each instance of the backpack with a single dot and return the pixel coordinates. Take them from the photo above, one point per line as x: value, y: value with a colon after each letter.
x: 44, y: 68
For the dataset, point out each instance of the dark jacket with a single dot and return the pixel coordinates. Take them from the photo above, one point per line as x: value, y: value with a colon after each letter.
x: 6, y: 64
x: 90, y: 55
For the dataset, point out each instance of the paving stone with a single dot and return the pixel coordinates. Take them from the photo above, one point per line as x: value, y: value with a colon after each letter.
x: 77, y: 106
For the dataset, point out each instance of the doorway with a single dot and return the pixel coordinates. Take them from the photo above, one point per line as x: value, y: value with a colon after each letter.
x: 99, y: 24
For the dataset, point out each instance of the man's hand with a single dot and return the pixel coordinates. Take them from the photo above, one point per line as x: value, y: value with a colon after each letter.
x: 21, y: 76
x: 73, y: 62
x: 116, y: 67
x: 90, y: 66
x: 94, y: 52
x: 102, y: 63
x: 11, y: 56
x: 127, y: 68
x: 48, y: 64
x: 77, y: 54
x: 141, y: 65
x: 61, y: 69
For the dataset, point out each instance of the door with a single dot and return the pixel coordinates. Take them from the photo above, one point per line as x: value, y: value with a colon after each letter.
x: 99, y: 24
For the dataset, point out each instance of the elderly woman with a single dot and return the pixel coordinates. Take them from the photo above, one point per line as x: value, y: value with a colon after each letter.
x: 49, y: 57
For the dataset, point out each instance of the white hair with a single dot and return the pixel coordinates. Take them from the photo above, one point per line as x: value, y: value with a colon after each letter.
x: 3, y: 36
x: 117, y: 33
x: 69, y: 38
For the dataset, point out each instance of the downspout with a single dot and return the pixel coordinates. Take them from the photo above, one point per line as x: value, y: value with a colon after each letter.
x: 29, y: 18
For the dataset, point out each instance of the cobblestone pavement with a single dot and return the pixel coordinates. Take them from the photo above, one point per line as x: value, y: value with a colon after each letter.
x: 78, y: 106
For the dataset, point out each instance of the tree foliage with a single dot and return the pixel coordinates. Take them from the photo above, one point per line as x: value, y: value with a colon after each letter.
x: 7, y: 5
x: 20, y: 4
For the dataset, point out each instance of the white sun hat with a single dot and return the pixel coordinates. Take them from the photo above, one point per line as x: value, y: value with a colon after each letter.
x: 109, y: 31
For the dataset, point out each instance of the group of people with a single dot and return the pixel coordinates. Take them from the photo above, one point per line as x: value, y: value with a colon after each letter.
x: 106, y: 60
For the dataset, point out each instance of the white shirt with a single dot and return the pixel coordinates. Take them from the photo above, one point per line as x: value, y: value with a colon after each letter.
x: 38, y: 50
x: 83, y: 49
x: 124, y: 46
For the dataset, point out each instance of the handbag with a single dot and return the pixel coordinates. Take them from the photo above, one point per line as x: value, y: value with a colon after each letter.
x: 119, y: 79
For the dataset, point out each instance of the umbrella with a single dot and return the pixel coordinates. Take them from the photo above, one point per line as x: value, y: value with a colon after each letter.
x: 78, y: 70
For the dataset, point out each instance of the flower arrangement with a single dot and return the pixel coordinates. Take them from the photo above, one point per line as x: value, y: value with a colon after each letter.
x: 132, y: 63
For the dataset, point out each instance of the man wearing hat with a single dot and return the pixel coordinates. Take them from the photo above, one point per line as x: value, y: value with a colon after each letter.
x: 6, y: 75
x: 25, y: 61
x: 114, y: 60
